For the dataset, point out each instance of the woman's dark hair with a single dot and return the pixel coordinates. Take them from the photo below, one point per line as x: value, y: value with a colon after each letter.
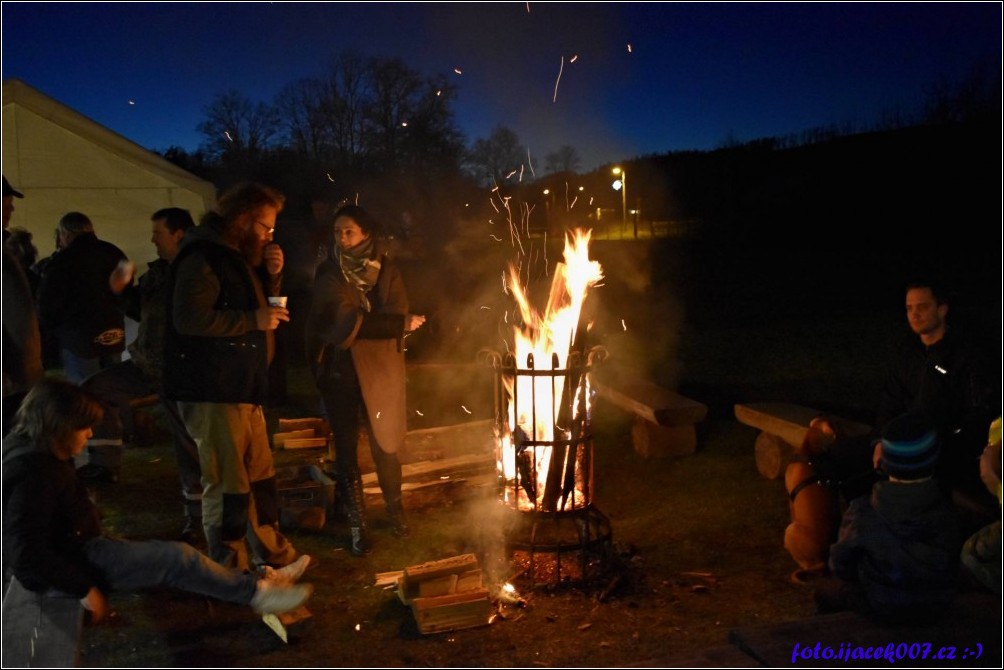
x: 366, y: 221
x: 53, y: 409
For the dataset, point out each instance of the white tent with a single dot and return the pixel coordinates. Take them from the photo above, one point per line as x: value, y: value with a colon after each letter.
x: 62, y: 162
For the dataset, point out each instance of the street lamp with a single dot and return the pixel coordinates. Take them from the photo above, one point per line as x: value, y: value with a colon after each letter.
x: 621, y: 185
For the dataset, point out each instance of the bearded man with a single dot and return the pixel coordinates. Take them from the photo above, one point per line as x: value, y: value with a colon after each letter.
x: 217, y: 351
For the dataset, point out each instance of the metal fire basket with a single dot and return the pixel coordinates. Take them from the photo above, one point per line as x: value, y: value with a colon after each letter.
x: 543, y: 425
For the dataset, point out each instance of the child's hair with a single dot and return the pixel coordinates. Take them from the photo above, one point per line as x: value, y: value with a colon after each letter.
x: 53, y: 409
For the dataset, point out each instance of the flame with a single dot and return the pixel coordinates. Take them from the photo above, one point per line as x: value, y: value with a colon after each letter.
x: 535, y: 400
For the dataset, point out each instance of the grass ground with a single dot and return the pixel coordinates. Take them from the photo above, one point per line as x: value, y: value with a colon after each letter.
x: 697, y: 539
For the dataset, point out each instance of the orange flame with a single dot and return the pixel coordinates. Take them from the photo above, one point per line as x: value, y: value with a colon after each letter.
x: 546, y: 336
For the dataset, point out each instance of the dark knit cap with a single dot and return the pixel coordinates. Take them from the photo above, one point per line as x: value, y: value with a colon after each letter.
x: 910, y: 447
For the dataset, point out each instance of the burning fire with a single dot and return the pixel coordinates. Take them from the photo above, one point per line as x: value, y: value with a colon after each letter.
x: 535, y: 401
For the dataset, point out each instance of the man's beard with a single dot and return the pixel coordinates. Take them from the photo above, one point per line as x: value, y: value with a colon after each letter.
x: 253, y: 250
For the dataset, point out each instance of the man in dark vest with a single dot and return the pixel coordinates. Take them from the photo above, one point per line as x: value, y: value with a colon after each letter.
x: 217, y: 351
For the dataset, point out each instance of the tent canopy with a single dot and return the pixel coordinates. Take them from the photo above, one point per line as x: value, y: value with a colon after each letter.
x: 62, y: 162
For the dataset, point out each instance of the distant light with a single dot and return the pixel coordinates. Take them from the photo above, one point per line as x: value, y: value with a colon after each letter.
x: 439, y: 92
x: 618, y: 184
x: 132, y: 102
x: 404, y: 124
x: 547, y: 191
x: 582, y: 188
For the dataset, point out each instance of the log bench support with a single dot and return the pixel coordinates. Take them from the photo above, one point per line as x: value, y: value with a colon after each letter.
x: 665, y: 422
x: 782, y: 430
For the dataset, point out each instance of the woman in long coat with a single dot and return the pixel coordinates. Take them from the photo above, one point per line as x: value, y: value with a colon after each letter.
x: 355, y: 343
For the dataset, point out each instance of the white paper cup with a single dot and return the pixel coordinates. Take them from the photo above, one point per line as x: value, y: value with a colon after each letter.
x: 277, y: 300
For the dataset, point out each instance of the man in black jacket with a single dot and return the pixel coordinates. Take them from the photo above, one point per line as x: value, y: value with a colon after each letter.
x: 75, y: 303
x: 218, y: 348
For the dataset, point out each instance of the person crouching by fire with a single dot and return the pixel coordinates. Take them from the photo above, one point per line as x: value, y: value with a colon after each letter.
x: 355, y: 344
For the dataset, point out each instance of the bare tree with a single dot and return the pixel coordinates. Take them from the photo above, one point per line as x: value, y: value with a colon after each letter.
x: 491, y: 160
x: 565, y: 159
x: 236, y: 126
x: 302, y: 109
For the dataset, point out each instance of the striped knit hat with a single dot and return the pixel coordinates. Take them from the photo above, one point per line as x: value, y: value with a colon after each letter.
x: 909, y: 447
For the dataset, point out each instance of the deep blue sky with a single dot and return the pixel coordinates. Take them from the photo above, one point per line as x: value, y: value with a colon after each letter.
x: 695, y: 75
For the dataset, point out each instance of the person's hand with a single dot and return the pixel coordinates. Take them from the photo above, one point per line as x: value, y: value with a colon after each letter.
x: 268, y: 317
x: 877, y: 455
x: 273, y: 258
x: 95, y: 603
x: 121, y: 276
x: 413, y: 322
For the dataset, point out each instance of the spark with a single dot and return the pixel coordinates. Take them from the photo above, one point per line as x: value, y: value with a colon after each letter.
x: 510, y: 174
x: 358, y: 627
x: 560, y: 69
x: 528, y: 8
x: 485, y: 307
x: 444, y: 477
x: 132, y: 102
x: 438, y: 93
x: 226, y: 134
x: 404, y: 124
x: 623, y: 325
x: 529, y: 162
x: 508, y: 588
x: 465, y: 409
x: 457, y: 70
x: 521, y: 168
x: 574, y: 200
x: 590, y: 201
x: 419, y: 413
x: 330, y: 178
x: 629, y: 47
x: 496, y: 238
x: 495, y: 206
x: 505, y: 316
x: 378, y: 415
x: 574, y: 58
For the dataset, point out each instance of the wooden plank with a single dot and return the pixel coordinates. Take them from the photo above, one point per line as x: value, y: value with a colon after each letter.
x: 316, y: 424
x: 305, y: 443
x: 789, y: 421
x: 279, y: 439
x: 414, y: 575
x: 452, y: 612
x: 651, y: 402
x: 443, y: 466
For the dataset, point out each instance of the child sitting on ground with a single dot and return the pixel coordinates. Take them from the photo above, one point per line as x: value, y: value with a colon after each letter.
x: 897, y: 552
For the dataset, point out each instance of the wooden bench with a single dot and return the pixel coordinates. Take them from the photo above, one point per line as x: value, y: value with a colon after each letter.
x: 664, y: 421
x: 40, y: 631
x: 782, y: 429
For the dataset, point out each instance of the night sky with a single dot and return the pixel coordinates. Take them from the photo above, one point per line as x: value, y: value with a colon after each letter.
x: 647, y: 77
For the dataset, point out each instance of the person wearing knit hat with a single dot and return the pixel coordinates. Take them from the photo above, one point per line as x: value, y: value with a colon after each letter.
x: 910, y: 448
x: 897, y: 552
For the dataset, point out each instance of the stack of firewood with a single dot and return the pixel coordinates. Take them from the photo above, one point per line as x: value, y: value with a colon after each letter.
x: 444, y: 595
x: 301, y: 434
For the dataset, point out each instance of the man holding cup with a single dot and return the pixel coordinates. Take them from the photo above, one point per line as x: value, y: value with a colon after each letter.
x: 219, y: 344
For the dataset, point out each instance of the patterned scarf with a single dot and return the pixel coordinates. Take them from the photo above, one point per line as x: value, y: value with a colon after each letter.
x: 358, y: 268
